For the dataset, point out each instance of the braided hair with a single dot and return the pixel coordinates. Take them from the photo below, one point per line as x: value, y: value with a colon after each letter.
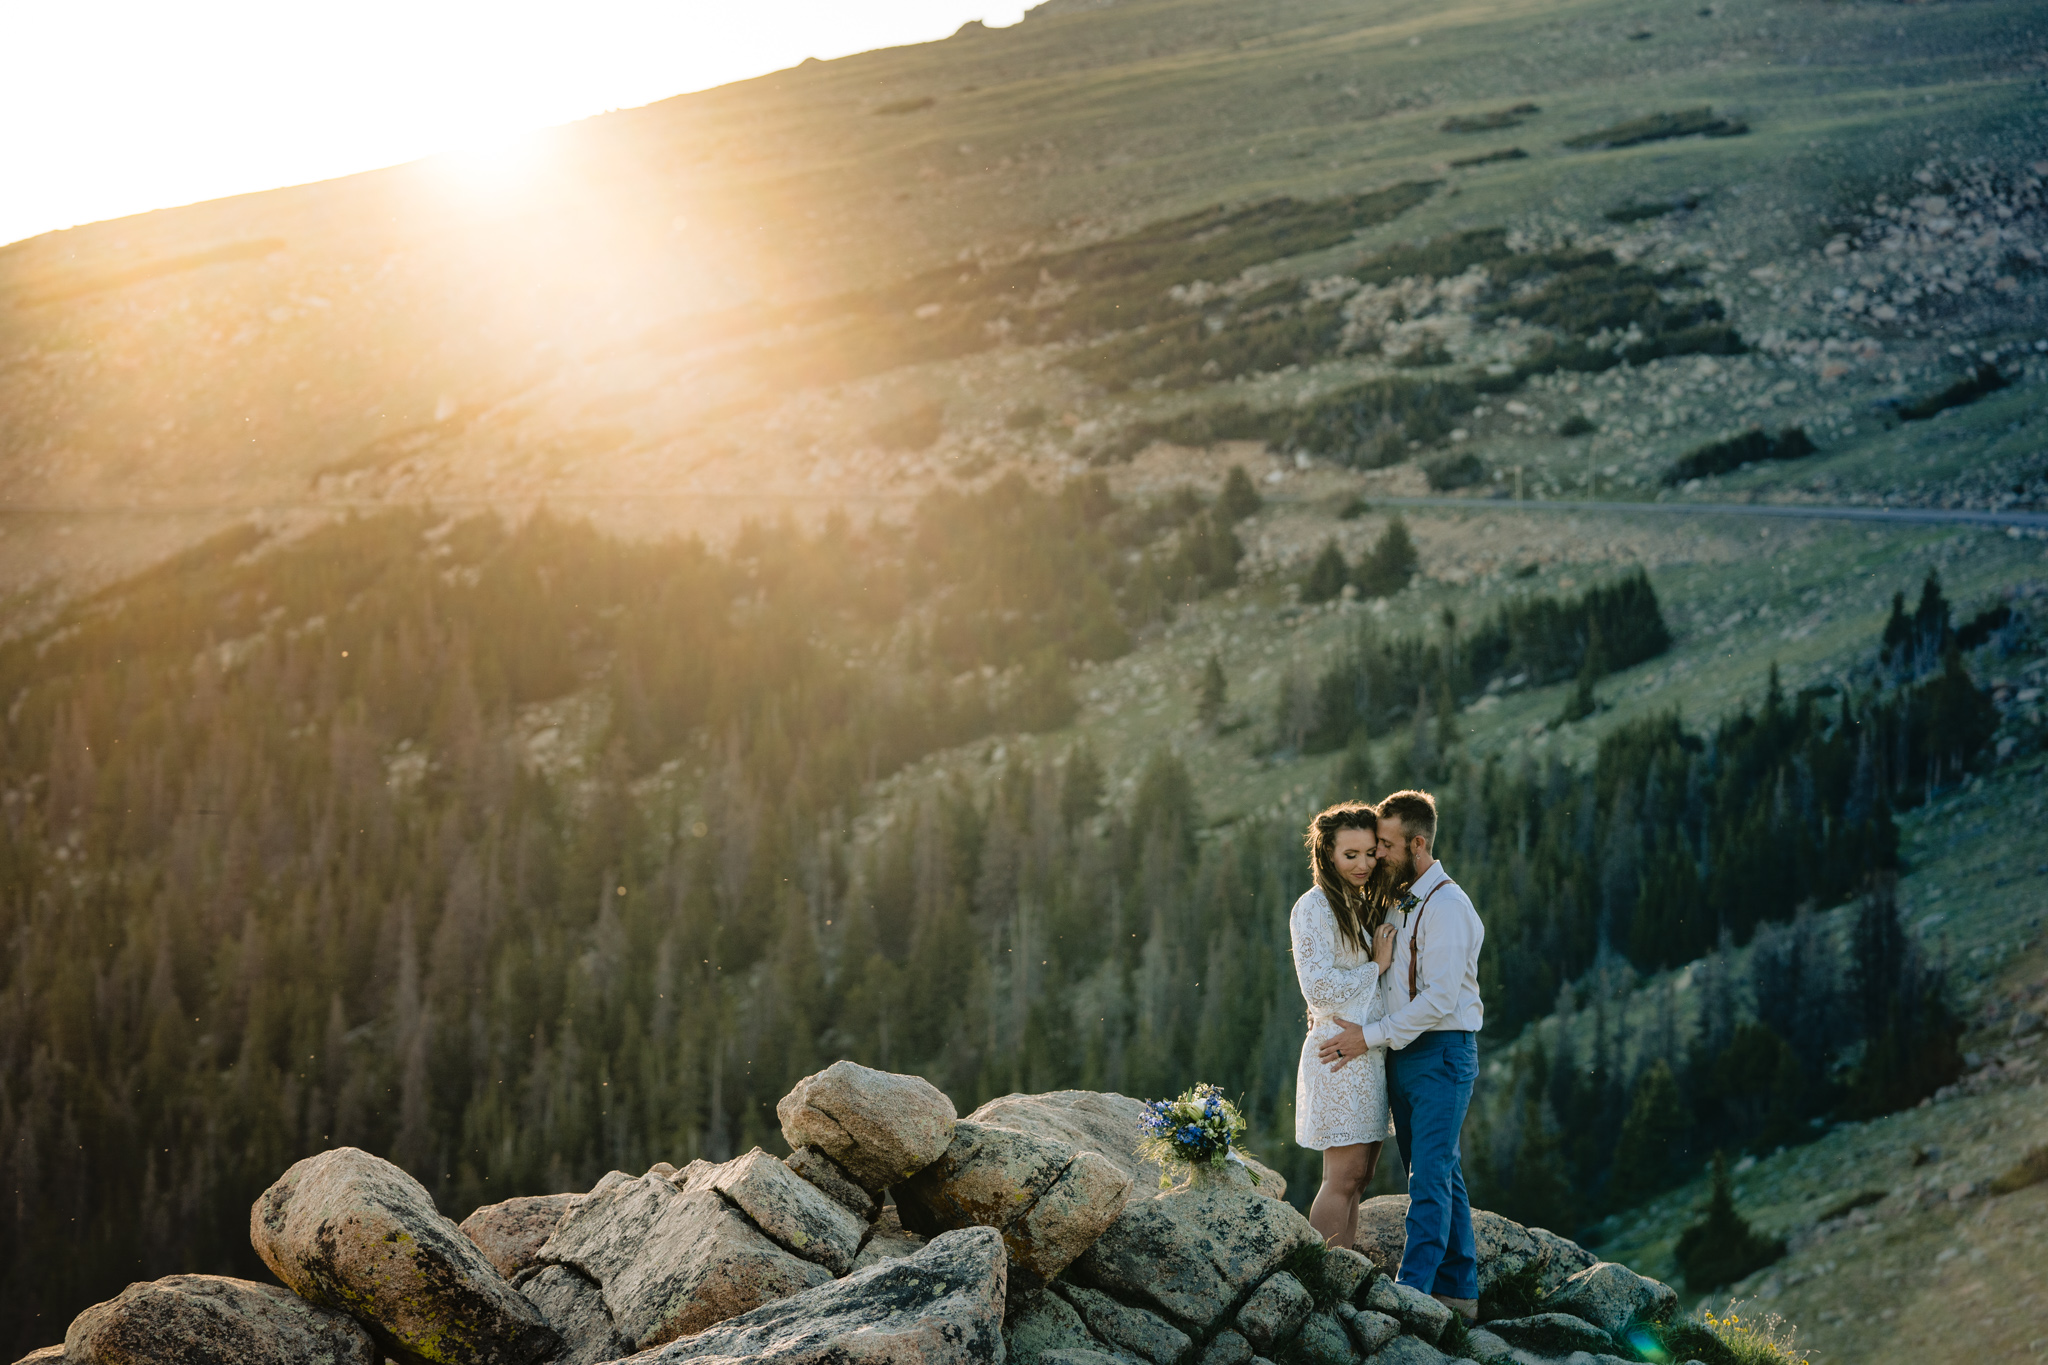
x: 1359, y: 910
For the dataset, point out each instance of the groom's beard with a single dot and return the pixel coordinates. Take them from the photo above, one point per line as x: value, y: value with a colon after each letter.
x: 1401, y: 873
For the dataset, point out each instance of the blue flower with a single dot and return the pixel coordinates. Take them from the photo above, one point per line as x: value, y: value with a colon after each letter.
x: 1191, y: 1135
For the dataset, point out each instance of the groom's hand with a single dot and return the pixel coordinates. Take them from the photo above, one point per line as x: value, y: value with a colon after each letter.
x: 1349, y: 1042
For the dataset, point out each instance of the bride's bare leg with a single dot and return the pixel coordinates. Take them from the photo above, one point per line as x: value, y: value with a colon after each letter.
x: 1345, y: 1172
x: 1372, y: 1164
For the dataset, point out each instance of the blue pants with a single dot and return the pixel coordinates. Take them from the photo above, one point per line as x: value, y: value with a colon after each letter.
x: 1429, y: 1085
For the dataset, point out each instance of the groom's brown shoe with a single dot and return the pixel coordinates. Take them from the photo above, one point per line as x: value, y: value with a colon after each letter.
x: 1468, y: 1309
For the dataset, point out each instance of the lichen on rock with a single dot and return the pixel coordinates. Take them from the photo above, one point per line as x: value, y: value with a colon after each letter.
x: 212, y: 1320
x: 351, y: 1232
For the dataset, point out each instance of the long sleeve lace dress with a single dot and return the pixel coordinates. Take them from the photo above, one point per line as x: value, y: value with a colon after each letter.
x: 1335, y: 1109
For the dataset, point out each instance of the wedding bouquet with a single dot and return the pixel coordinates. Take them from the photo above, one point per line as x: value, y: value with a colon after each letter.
x: 1195, y: 1131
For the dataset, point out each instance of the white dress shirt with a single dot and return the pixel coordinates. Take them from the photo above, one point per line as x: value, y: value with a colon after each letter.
x: 1447, y: 976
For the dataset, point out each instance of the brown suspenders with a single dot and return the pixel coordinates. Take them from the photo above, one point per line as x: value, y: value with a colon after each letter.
x: 1415, y: 934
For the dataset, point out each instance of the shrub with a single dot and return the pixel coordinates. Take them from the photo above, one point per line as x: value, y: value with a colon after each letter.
x: 1706, y: 338
x: 1753, y: 1341
x: 1751, y: 447
x: 1691, y: 1339
x: 1488, y: 158
x: 1202, y: 427
x: 1354, y: 425
x: 1636, y: 213
x: 1606, y: 297
x: 1698, y: 122
x: 1578, y: 424
x: 1425, y: 356
x: 1027, y: 418
x: 1513, y: 1296
x: 1353, y: 508
x: 1125, y: 280
x: 1843, y: 1208
x: 906, y: 106
x: 1440, y: 257
x: 1722, y: 1247
x: 1460, y: 470
x: 1307, y: 1263
x: 916, y: 429
x: 1491, y: 119
x: 1986, y: 379
x: 1186, y: 351
x: 2031, y: 1169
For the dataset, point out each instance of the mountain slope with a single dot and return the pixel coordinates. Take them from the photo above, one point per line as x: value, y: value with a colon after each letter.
x: 416, y: 332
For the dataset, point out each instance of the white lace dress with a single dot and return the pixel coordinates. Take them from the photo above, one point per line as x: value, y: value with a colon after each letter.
x: 1335, y: 1109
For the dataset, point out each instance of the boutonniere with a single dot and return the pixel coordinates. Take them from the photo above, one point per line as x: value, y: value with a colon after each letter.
x: 1407, y: 904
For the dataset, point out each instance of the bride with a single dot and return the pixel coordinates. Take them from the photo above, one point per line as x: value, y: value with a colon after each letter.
x: 1341, y: 1113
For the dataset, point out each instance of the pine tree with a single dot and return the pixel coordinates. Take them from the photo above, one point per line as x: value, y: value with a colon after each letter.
x: 1327, y: 575
x: 1722, y: 1247
x: 1238, y: 499
x: 1898, y: 634
x: 1652, y: 1140
x: 1592, y: 667
x: 1356, y: 780
x: 1392, y: 562
x: 1539, y: 1194
x: 1081, y: 789
x: 1211, y: 692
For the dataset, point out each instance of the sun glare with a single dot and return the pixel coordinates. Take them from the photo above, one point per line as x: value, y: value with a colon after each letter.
x: 503, y: 166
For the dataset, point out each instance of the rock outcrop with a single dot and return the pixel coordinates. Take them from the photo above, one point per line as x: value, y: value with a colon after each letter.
x: 829, y: 1176
x: 1552, y: 1334
x: 1092, y: 1121
x: 353, y: 1233
x: 1612, y: 1297
x: 790, y: 1210
x: 1048, y: 1200
x: 511, y: 1233
x: 881, y: 1128
x: 671, y: 1262
x: 890, y: 1241
x: 574, y: 1306
x: 1274, y: 1313
x: 1195, y: 1252
x: 211, y: 1320
x: 1416, y: 1311
x: 1029, y: 1233
x: 1506, y: 1249
x: 943, y: 1306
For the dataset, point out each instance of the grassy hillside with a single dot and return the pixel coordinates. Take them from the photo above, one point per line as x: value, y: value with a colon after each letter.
x: 1937, y: 1262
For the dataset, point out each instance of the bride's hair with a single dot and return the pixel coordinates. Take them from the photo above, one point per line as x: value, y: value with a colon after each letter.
x: 1359, y: 910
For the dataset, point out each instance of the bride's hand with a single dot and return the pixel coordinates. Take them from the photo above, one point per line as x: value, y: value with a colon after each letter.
x: 1383, y: 946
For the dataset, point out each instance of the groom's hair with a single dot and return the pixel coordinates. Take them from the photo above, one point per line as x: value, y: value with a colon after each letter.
x: 1415, y: 810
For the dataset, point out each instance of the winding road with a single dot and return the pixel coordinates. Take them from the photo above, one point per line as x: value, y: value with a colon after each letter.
x: 1924, y: 516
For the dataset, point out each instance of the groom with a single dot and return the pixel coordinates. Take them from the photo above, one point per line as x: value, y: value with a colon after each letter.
x: 1430, y: 1023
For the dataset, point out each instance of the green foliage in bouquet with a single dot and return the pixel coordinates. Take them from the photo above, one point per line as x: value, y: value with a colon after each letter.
x: 1199, y: 1129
